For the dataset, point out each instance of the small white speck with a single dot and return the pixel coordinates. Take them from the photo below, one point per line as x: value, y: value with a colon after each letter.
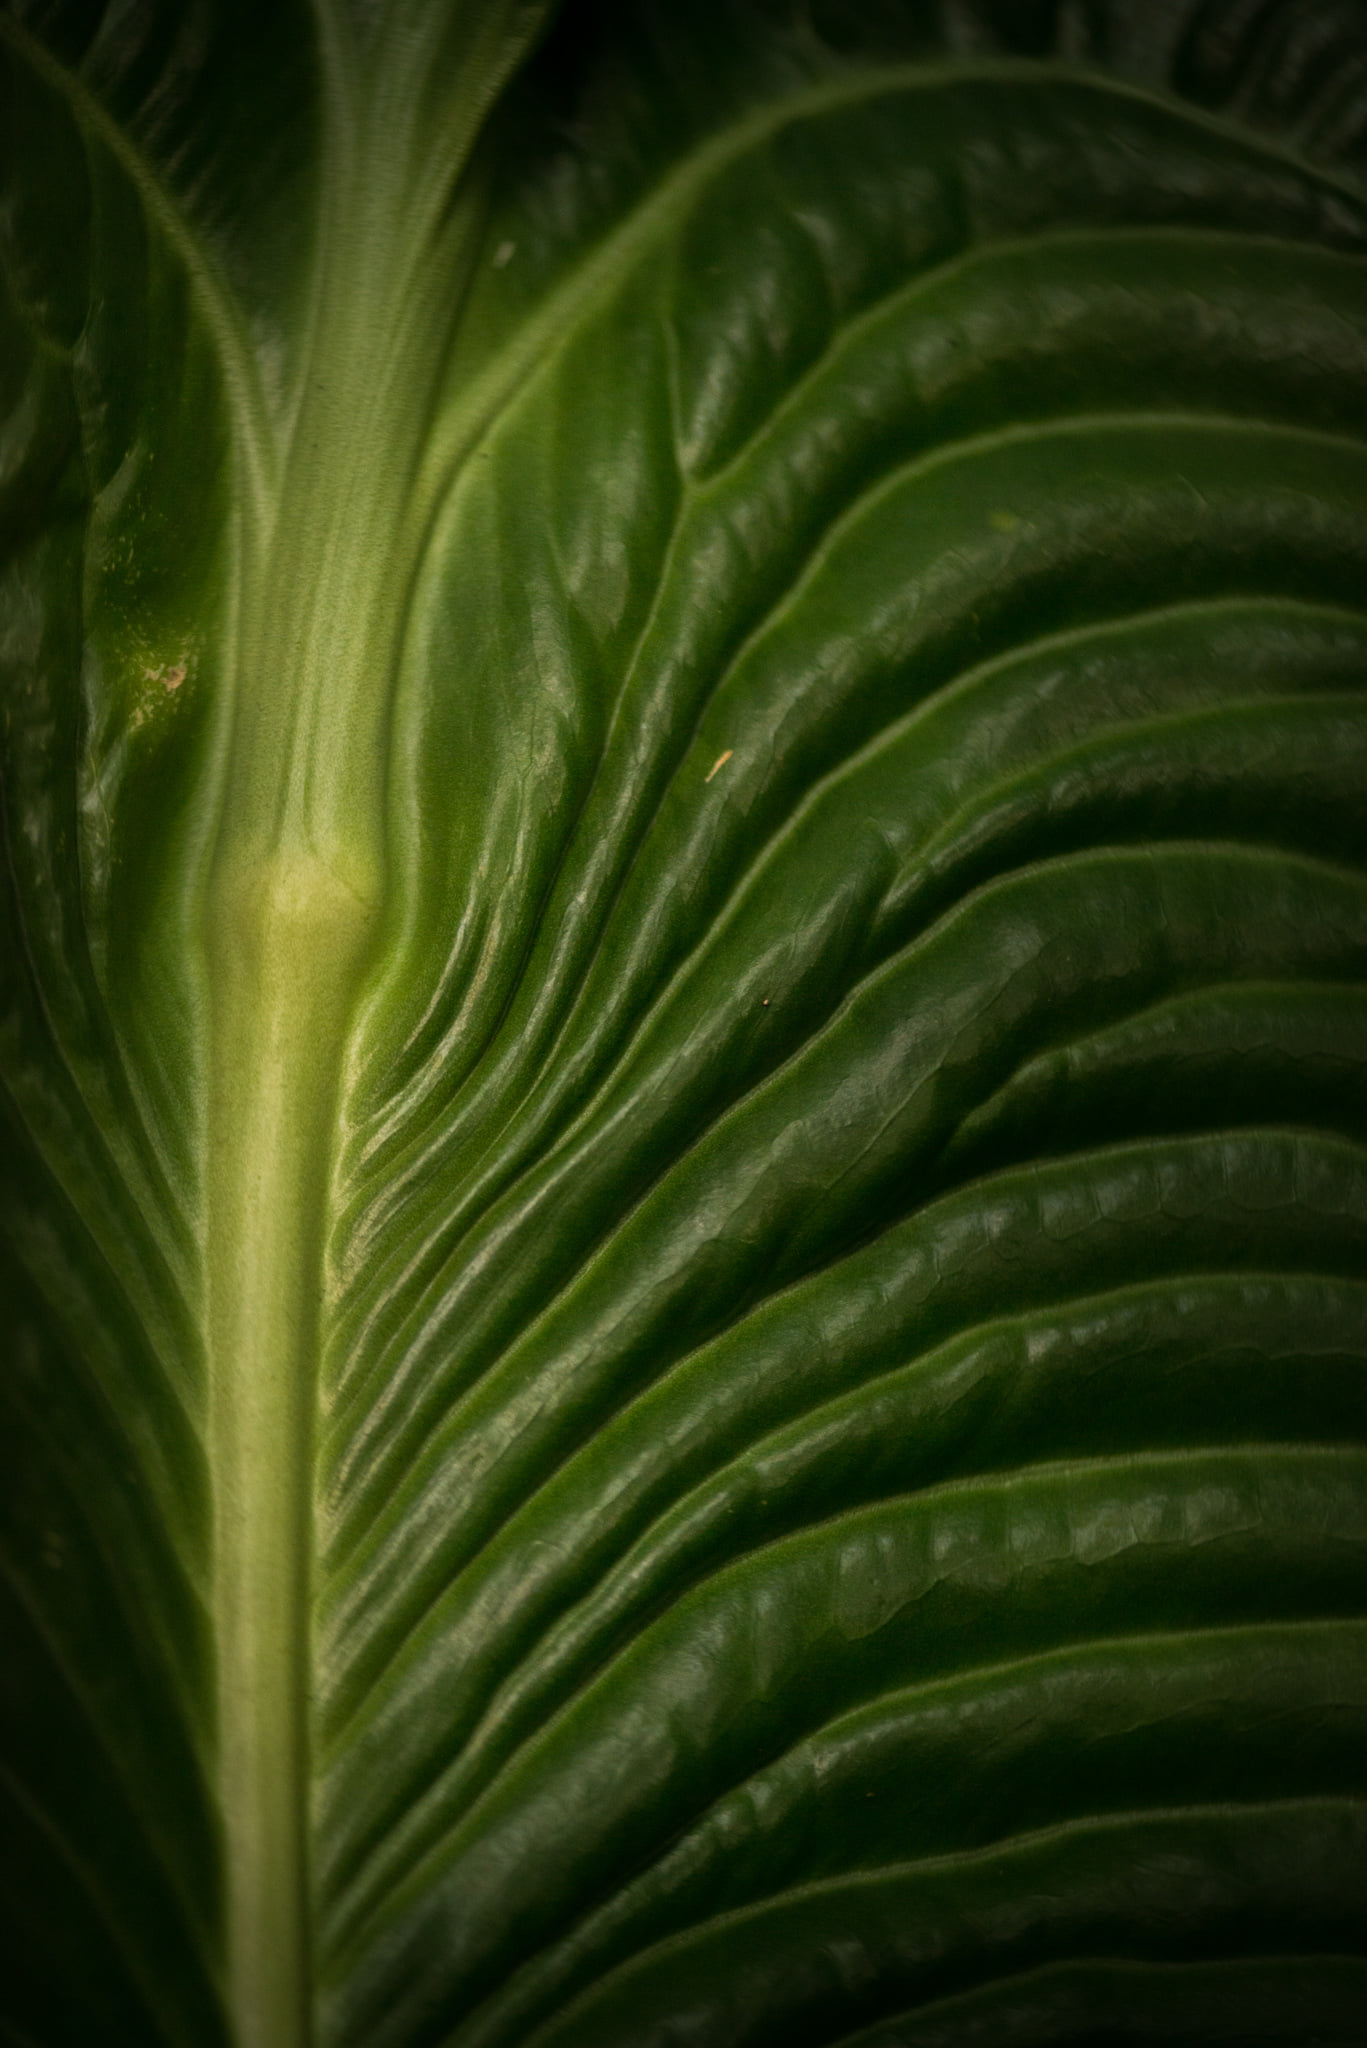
x: 504, y: 254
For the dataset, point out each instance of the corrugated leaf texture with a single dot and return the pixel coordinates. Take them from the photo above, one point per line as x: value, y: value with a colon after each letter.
x: 683, y: 1025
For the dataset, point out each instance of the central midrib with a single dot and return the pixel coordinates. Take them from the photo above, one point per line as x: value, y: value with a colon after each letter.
x: 293, y: 907
x: 285, y: 960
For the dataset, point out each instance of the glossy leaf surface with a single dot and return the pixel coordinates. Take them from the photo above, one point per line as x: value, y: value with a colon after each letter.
x: 683, y: 1025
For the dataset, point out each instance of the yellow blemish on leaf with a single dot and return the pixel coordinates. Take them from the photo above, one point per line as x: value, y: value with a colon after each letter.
x: 720, y: 762
x: 170, y: 674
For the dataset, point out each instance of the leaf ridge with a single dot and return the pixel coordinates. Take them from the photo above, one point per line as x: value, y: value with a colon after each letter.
x: 465, y: 426
x: 96, y: 1898
x: 147, y: 1832
x: 791, y: 1301
x: 217, y: 302
x: 423, y: 1416
x: 1143, y: 1822
x: 657, y: 1560
x: 900, y: 727
x: 1139, y: 424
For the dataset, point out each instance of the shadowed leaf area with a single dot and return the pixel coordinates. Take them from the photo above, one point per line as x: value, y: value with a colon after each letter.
x: 683, y: 1024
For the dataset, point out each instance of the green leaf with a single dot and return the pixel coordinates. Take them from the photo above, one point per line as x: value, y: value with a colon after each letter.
x: 683, y: 1024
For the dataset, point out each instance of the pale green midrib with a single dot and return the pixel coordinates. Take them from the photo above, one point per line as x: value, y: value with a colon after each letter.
x: 291, y: 906
x: 214, y: 298
x: 292, y: 902
x: 592, y: 280
x: 286, y: 948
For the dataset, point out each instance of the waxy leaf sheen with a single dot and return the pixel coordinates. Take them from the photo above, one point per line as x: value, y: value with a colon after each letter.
x: 683, y: 1023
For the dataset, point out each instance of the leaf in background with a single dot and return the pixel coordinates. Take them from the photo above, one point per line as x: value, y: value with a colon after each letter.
x: 683, y: 1029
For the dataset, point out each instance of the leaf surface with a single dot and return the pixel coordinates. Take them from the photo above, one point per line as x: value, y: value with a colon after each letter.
x: 683, y: 1025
